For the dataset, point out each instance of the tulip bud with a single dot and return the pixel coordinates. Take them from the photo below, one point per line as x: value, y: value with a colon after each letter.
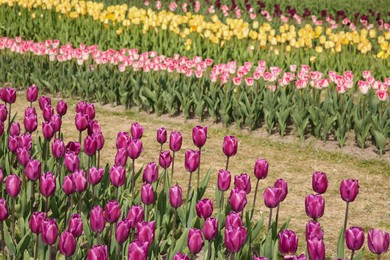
x: 12, y: 185
x: 58, y: 148
x: 272, y: 197
x: 319, y: 182
x: 9, y: 95
x: 210, y: 229
x: 67, y: 243
x: 261, y: 169
x: 136, y: 130
x: 161, y: 135
x: 195, y: 240
x: 33, y: 170
x: 192, y: 160
x: 315, y: 206
x: 14, y: 129
x: 44, y: 101
x: 61, y: 107
x: 316, y: 248
x: 56, y: 120
x: 23, y: 156
x: 134, y: 148
x: 282, y: 184
x: 30, y: 111
x: 181, y: 256
x: 122, y: 140
x: 47, y: 113
x: 121, y: 157
x: 81, y: 121
x: 95, y: 175
x: 288, y: 242
x: 75, y: 225
x: 49, y: 231
x: 73, y: 147
x: 234, y: 239
x: 47, y: 130
x: 145, y: 231
x: 138, y: 250
x: 96, y: 219
x: 94, y: 127
x: 3, y: 112
x: 314, y: 230
x: 79, y: 180
x: 32, y: 93
x: 150, y: 173
x: 122, y: 231
x: 90, y: 111
x: 175, y: 196
x: 354, y: 238
x: 3, y: 209
x: 224, y: 179
x: 165, y: 159
x: 30, y: 123
x: 147, y: 194
x: 68, y: 185
x: 112, y: 211
x: 135, y: 215
x: 99, y: 140
x: 71, y: 161
x: 90, y: 145
x: 229, y: 146
x: 199, y: 136
x: 175, y: 141
x: 117, y: 176
x: 47, y: 184
x: 349, y: 189
x: 35, y: 221
x: 25, y: 140
x: 204, y: 208
x: 237, y: 200
x: 378, y: 241
x: 98, y: 252
x: 13, y: 143
x: 242, y: 182
x: 233, y: 220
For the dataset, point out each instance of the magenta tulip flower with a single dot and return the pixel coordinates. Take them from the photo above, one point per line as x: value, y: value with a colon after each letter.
x: 98, y: 252
x: 67, y: 244
x: 316, y: 249
x: 199, y: 136
x: 165, y: 159
x: 33, y: 170
x: 122, y: 231
x: 192, y: 160
x: 122, y: 140
x: 314, y: 230
x: 242, y: 182
x: 150, y: 173
x: 32, y: 93
x: 49, y: 231
x: 76, y: 225
x: 145, y: 231
x: 319, y: 182
x: 44, y: 101
x: 138, y: 250
x: 135, y: 215
x: 30, y: 123
x: 230, y: 145
x: 234, y: 239
x: 80, y: 181
x: 288, y: 242
x: 117, y: 176
x: 210, y: 229
x: 315, y: 206
x: 195, y: 241
x: 58, y: 148
x: 161, y: 135
x: 378, y: 241
x: 147, y: 194
x: 175, y: 196
x: 35, y: 221
x: 181, y: 256
x: 68, y: 186
x: 237, y: 200
x: 47, y: 113
x: 233, y: 220
x: 73, y: 147
x: 112, y: 211
x: 224, y: 180
x: 121, y: 157
x: 81, y: 121
x: 12, y: 185
x: 354, y: 238
x: 204, y: 208
x: 95, y: 175
x: 3, y: 112
x: 349, y: 189
x: 134, y: 148
x: 61, y: 107
x: 96, y: 219
x: 136, y: 130
x: 272, y: 197
x: 261, y: 169
x: 3, y: 209
x: 23, y: 156
x: 90, y: 145
x: 47, y: 130
x: 175, y: 141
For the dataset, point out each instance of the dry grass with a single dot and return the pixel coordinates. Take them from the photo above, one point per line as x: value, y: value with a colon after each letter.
x: 294, y: 162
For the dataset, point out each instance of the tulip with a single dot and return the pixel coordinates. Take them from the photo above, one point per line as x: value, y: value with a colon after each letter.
x: 117, y: 176
x: 281, y: 184
x: 204, y: 208
x: 210, y: 229
x: 94, y: 127
x: 49, y: 231
x: 71, y: 161
x: 44, y: 101
x: 378, y: 241
x: 175, y: 196
x: 58, y: 148
x: 3, y: 112
x: 237, y: 200
x: 224, y: 180
x: 13, y: 143
x: 47, y: 113
x: 175, y: 141
x: 3, y: 209
x: 1, y: 175
x: 23, y: 156
x: 145, y: 231
x: 68, y: 185
x: 73, y: 147
x: 90, y: 111
x: 79, y: 180
x: 242, y: 182
x: 161, y: 136
x: 98, y: 252
x: 288, y: 242
x: 12, y: 185
x: 32, y: 93
x: 181, y: 256
x: 135, y: 215
x: 138, y: 250
x: 229, y: 148
x: 147, y: 194
x: 122, y: 231
x: 315, y: 206
x: 14, y: 129
x: 81, y: 121
x: 165, y: 159
x: 195, y: 241
x: 319, y: 182
x: 81, y: 107
x: 61, y: 108
x: 261, y: 169
x: 35, y: 223
x: 314, y: 230
x: 150, y: 173
x: 199, y: 136
x: 33, y: 170
x: 134, y: 150
x: 354, y: 238
x: 47, y: 186
x: 75, y: 225
x: 90, y: 145
x: 349, y: 189
x: 261, y: 258
x: 316, y: 249
x: 121, y: 157
x: 30, y: 123
x: 57, y: 122
x: 122, y: 140
x: 67, y: 244
x: 95, y: 175
x: 25, y: 141
x: 271, y: 197
x: 136, y: 130
x: 234, y: 239
x: 96, y: 220
x: 99, y: 145
x: 233, y: 220
x: 112, y: 211
x: 47, y: 130
x: 191, y: 163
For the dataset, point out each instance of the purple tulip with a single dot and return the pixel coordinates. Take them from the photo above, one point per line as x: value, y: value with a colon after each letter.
x: 230, y: 145
x: 81, y: 121
x: 56, y: 120
x: 210, y: 229
x: 161, y: 135
x: 192, y: 160
x: 237, y: 200
x: 316, y: 249
x: 165, y: 159
x: 135, y: 215
x: 99, y: 140
x: 261, y: 169
x: 234, y: 239
x: 47, y: 184
x: 112, y: 211
x: 3, y: 209
x: 25, y: 140
x: 122, y: 231
x: 49, y: 231
x: 121, y: 157
x: 242, y: 182
x: 147, y: 194
x: 224, y: 180
x: 12, y: 185
x: 35, y: 221
x: 95, y: 175
x: 204, y: 208
x: 33, y: 170
x: 349, y: 189
x: 61, y: 107
x: 90, y: 145
x: 378, y: 241
x: 13, y: 143
x: 23, y: 156
x: 32, y: 93
x: 233, y: 220
x: 319, y: 182
x: 1, y: 175
x: 150, y: 173
x: 354, y: 238
x: 14, y: 129
x: 68, y: 186
x: 73, y: 147
x: 288, y: 242
x: 76, y: 225
x: 136, y: 130
x: 8, y: 95
x: 199, y: 136
x: 122, y: 140
x: 175, y: 141
x: 145, y: 231
x: 314, y: 230
x: 181, y: 256
x: 80, y: 182
x: 282, y: 184
x: 30, y: 123
x: 47, y: 113
x: 138, y: 250
x: 315, y: 206
x: 67, y: 244
x: 272, y: 197
x: 90, y: 111
x: 71, y: 161
x: 135, y: 148
x: 98, y: 252
x: 3, y: 112
x: 58, y: 148
x: 195, y: 240
x: 175, y: 196
x: 117, y: 176
x: 96, y: 219
x: 47, y: 130
x: 30, y: 111
x: 44, y: 101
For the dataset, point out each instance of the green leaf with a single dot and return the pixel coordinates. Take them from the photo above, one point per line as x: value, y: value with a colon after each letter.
x: 23, y: 244
x: 9, y: 241
x: 180, y: 243
x: 340, y: 244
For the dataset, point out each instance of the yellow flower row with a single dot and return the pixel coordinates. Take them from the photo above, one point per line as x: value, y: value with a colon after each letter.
x: 218, y: 32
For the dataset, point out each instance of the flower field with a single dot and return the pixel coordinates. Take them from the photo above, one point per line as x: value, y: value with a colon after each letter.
x: 184, y: 174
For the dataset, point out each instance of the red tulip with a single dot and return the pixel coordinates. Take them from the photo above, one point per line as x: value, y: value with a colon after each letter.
x: 32, y: 93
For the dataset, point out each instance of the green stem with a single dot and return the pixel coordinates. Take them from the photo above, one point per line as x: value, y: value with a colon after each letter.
x: 80, y: 137
x: 36, y: 247
x: 174, y: 224
x: 119, y: 251
x: 47, y: 204
x: 232, y: 256
x: 32, y: 196
x: 227, y: 163
x: 209, y: 251
x: 9, y: 118
x: 254, y: 199
x: 353, y: 252
x: 173, y: 166
x: 277, y: 216
x: 270, y: 219
x: 2, y: 238
x: 132, y: 181
x: 13, y: 216
x: 98, y: 160
x: 221, y: 201
x: 345, y: 218
x: 200, y: 152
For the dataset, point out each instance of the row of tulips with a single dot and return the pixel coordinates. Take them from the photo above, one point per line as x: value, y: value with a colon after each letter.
x: 249, y: 95
x: 151, y: 228
x: 191, y: 32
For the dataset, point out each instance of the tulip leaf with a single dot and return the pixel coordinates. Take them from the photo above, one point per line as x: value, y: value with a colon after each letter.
x: 23, y: 244
x: 9, y: 242
x: 340, y: 244
x: 257, y: 228
x: 26, y: 255
x: 179, y: 244
x: 203, y: 186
